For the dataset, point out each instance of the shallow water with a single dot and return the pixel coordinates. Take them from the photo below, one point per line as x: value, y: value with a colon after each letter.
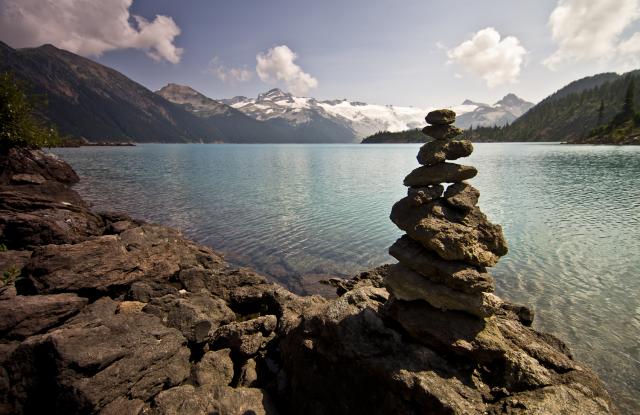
x: 571, y: 215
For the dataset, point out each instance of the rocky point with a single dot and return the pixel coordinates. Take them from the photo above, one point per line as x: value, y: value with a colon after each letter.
x: 106, y: 314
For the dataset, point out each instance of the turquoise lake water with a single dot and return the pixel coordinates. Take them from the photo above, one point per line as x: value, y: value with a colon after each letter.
x: 298, y: 213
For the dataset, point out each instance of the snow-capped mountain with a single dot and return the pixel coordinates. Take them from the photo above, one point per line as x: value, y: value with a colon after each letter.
x: 502, y: 112
x: 366, y: 119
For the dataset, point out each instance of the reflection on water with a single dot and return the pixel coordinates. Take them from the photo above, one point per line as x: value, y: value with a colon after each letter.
x: 571, y: 215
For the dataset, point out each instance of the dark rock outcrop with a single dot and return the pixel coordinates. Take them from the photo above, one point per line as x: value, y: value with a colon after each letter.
x: 123, y: 317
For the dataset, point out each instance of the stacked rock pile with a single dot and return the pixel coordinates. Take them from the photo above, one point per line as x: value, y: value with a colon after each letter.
x: 449, y: 242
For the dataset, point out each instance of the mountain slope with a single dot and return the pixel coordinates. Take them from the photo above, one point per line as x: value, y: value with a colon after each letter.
x: 86, y: 99
x: 291, y: 127
x: 568, y: 114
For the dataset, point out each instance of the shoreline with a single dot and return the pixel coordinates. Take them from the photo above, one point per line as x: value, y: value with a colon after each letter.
x: 224, y: 338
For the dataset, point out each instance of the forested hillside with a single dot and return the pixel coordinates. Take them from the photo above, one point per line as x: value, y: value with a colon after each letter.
x: 567, y: 115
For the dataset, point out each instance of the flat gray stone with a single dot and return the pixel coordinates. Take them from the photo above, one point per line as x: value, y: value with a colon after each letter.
x: 454, y: 274
x: 439, y: 173
x: 406, y: 284
x: 437, y: 151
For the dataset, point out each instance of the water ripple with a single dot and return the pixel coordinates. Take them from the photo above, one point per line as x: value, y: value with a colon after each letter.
x: 571, y: 215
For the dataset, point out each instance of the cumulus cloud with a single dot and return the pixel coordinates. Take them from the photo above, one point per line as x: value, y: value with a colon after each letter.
x: 226, y: 74
x: 87, y: 27
x: 497, y: 61
x: 278, y: 65
x: 591, y: 29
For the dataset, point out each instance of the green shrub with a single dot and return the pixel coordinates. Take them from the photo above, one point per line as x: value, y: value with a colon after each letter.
x: 18, y: 124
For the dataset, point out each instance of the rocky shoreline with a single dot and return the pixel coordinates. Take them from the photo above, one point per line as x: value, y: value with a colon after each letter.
x: 106, y: 314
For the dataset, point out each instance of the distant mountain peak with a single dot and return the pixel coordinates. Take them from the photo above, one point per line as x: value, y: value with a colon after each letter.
x: 512, y: 99
x: 275, y: 94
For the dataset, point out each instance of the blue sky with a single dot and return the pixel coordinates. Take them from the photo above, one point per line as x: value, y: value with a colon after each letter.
x: 401, y: 52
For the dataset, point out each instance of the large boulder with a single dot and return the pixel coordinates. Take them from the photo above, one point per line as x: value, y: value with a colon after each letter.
x: 440, y: 173
x: 18, y: 160
x: 452, y: 234
x: 109, y: 264
x: 454, y: 274
x: 94, y: 359
x: 349, y: 357
x: 24, y: 316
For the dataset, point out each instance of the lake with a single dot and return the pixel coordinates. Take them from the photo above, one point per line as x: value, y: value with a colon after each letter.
x: 300, y: 213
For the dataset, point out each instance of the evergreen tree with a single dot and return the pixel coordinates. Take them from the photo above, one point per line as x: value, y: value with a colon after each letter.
x: 628, y: 107
x: 601, y: 113
x: 18, y: 125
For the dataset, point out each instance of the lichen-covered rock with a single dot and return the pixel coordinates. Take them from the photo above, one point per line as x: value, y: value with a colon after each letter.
x: 148, y: 252
x: 440, y: 173
x: 462, y: 196
x: 454, y: 235
x: 95, y: 358
x: 24, y: 316
x: 421, y: 195
x: 441, y: 117
x: 406, y: 284
x: 197, y: 316
x: 247, y: 337
x: 212, y: 399
x: 437, y: 151
x: 215, y: 368
x: 442, y: 132
x: 454, y: 274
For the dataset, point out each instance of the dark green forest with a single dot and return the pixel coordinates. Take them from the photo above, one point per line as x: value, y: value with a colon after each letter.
x: 569, y: 115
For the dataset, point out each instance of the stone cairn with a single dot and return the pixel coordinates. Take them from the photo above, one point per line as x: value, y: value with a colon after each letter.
x: 448, y: 242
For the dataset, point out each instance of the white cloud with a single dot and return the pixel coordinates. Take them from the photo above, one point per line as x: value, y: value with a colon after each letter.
x: 226, y: 74
x: 87, y: 27
x: 277, y: 65
x: 497, y: 61
x: 591, y: 29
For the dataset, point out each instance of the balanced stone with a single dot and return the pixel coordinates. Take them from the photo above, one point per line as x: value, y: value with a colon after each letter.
x: 421, y: 195
x: 442, y: 132
x: 454, y: 274
x: 452, y: 234
x: 441, y: 117
x: 462, y: 196
x: 407, y: 285
x: 437, y: 151
x: 440, y: 173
